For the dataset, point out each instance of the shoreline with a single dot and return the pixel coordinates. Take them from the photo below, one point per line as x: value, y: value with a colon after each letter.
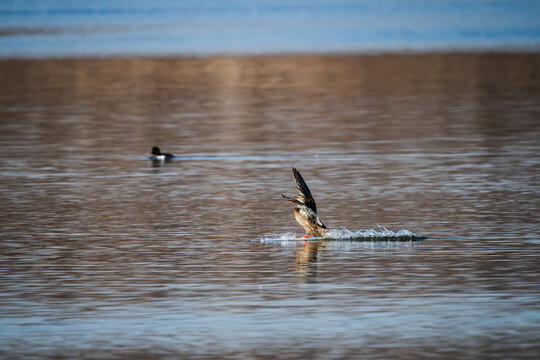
x: 329, y: 55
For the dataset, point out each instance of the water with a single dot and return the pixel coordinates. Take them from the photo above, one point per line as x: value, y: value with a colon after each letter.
x: 45, y: 28
x: 106, y: 255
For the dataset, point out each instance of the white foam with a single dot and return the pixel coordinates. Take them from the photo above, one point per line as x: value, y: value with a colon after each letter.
x: 381, y: 234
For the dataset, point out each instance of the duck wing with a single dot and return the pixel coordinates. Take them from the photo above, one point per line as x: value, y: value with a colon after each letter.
x: 311, y: 216
x: 304, y: 190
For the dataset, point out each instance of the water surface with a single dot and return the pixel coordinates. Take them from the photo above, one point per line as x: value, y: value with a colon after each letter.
x: 56, y: 28
x: 105, y: 254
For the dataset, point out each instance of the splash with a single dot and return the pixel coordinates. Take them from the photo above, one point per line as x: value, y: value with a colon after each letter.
x: 381, y: 234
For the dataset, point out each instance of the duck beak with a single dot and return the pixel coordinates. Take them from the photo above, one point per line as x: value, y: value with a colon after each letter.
x: 289, y: 200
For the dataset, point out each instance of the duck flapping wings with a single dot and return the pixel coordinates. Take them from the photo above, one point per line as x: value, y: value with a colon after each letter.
x: 303, y: 189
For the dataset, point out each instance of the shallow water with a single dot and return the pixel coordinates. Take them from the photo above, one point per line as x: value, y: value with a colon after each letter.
x: 105, y: 254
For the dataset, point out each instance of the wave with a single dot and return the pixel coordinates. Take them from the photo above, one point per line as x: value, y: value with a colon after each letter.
x: 381, y: 234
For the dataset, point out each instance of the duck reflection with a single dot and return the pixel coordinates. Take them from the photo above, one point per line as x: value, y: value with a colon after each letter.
x: 307, y: 260
x: 159, y: 159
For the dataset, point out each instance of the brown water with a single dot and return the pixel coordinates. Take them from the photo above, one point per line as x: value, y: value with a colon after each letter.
x: 106, y: 255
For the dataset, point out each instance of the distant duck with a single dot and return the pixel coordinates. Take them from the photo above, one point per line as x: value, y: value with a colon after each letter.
x: 305, y: 212
x: 157, y: 155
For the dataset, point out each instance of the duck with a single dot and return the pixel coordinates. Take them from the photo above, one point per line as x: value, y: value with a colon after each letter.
x: 157, y: 155
x: 305, y: 211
